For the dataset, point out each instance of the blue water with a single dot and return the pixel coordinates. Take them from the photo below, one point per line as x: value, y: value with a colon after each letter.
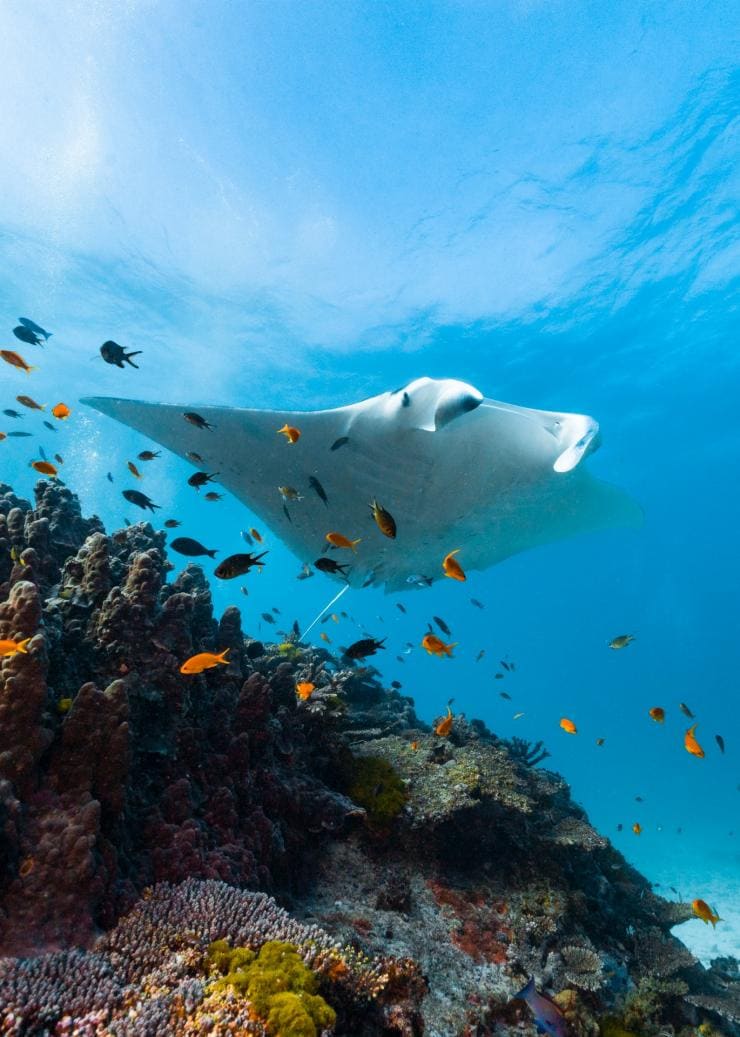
x: 290, y: 206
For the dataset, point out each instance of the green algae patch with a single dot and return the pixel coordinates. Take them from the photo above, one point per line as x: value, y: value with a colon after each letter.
x: 377, y: 786
x: 279, y: 985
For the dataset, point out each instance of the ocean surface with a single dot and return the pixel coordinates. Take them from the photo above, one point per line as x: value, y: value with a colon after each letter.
x: 300, y: 207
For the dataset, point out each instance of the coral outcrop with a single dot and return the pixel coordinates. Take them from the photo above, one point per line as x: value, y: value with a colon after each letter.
x: 146, y: 817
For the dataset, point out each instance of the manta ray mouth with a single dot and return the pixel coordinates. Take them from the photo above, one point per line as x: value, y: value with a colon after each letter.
x: 589, y: 441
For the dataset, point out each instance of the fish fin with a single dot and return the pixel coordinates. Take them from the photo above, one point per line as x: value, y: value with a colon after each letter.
x: 212, y: 554
x: 21, y: 646
x: 222, y: 655
x: 526, y: 990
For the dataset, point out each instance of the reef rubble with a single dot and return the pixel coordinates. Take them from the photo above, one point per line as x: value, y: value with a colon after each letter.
x: 410, y: 883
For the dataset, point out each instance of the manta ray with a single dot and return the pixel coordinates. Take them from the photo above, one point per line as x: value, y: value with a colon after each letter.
x: 452, y: 468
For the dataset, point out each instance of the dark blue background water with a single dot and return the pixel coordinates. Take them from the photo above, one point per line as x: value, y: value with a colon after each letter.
x: 294, y: 209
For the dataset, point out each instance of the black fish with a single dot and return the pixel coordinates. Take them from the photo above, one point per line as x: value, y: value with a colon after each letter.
x: 396, y: 685
x: 328, y: 565
x: 50, y: 426
x: 43, y: 454
x: 198, y: 479
x: 237, y: 565
x: 149, y: 455
x: 685, y: 710
x: 197, y: 420
x: 480, y: 655
x: 478, y: 604
x: 442, y: 625
x: 505, y: 695
x: 363, y: 648
x: 114, y: 354
x: 268, y: 617
x: 109, y: 477
x: 314, y: 483
x: 339, y: 442
x: 58, y: 458
x: 172, y: 523
x: 720, y: 742
x: 619, y: 828
x: 192, y: 456
x: 400, y: 607
x: 276, y: 611
x: 505, y: 665
x: 326, y: 618
x: 499, y: 676
x: 139, y: 499
x: 20, y: 435
x: 12, y: 413
x: 26, y: 335
x: 127, y: 521
x: 639, y: 799
x: 33, y: 326
x: 190, y: 548
x: 400, y: 659
x: 296, y: 629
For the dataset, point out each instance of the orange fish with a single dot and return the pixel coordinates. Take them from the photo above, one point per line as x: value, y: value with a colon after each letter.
x: 291, y: 434
x: 436, y: 646
x: 61, y: 411
x: 414, y: 746
x: 657, y: 713
x: 444, y: 727
x: 690, y: 743
x: 204, y: 661
x: 325, y: 637
x: 637, y: 828
x: 44, y: 467
x: 9, y: 648
x: 133, y: 469
x: 452, y: 567
x: 15, y: 360
x: 569, y: 726
x: 384, y: 520
x: 27, y: 401
x: 305, y: 689
x: 702, y: 910
x: 257, y: 536
x: 3, y: 435
x: 337, y: 540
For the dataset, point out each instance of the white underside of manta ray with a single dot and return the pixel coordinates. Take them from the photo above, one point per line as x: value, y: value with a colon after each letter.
x: 455, y: 470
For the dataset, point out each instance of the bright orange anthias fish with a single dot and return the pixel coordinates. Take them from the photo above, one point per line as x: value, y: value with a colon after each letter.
x: 452, y: 567
x: 339, y: 540
x: 436, y: 646
x: 702, y: 910
x: 204, y: 661
x: 690, y: 743
x: 657, y: 713
x: 444, y: 727
x: 61, y: 411
x: 291, y: 434
x: 568, y: 726
x: 10, y: 647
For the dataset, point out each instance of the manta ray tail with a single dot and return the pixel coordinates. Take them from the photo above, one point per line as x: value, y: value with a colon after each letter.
x: 313, y: 622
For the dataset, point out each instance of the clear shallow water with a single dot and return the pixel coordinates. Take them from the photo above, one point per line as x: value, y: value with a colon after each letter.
x: 291, y: 209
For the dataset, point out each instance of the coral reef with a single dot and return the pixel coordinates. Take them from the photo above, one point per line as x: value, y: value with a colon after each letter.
x: 145, y: 816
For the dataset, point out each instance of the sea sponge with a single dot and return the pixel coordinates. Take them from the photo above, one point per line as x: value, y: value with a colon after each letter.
x: 280, y: 987
x: 376, y: 785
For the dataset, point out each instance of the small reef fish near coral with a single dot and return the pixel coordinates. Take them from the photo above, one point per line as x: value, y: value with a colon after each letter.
x: 176, y: 760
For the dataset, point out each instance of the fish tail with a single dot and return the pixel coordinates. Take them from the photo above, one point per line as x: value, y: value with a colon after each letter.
x: 211, y: 554
x: 127, y: 358
x: 354, y: 544
x: 222, y: 655
x: 21, y: 646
